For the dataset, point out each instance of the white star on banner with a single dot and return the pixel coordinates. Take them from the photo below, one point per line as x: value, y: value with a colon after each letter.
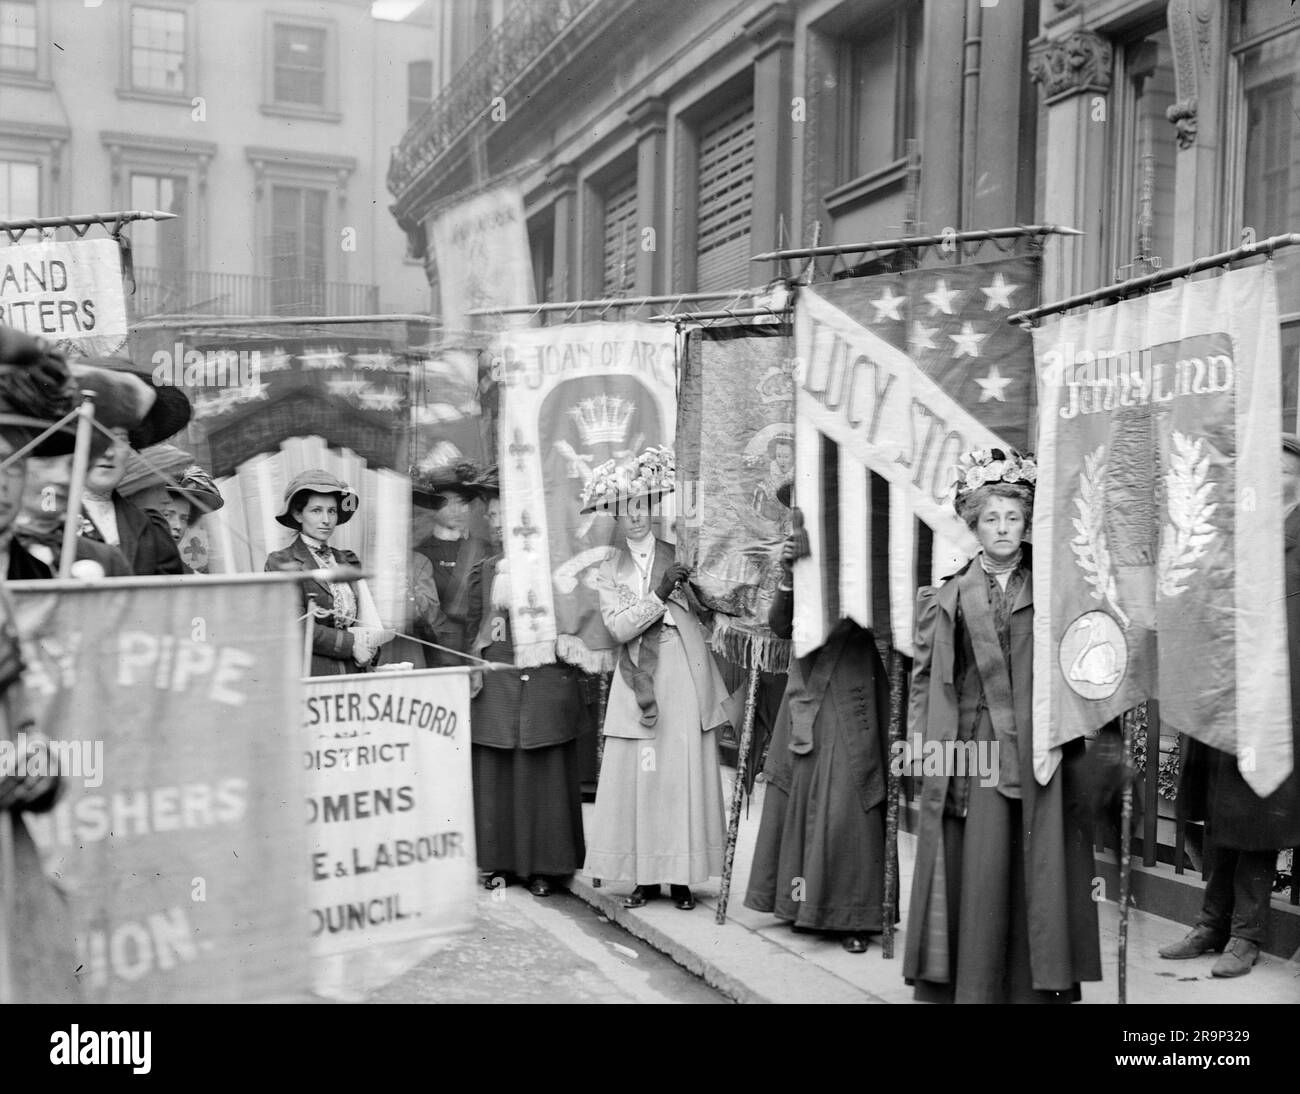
x: 277, y: 360
x: 387, y: 399
x: 887, y: 305
x: 330, y: 357
x: 348, y: 388
x: 922, y: 337
x: 968, y: 342
x: 943, y: 298
x: 999, y: 293
x: 382, y: 360
x: 254, y: 389
x: 993, y: 385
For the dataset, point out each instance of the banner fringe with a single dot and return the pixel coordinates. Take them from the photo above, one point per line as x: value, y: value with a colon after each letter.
x: 571, y: 648
x: 746, y: 646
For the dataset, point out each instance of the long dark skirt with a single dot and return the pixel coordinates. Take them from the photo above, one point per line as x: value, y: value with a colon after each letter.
x: 987, y: 908
x: 528, y: 810
x: 820, y: 859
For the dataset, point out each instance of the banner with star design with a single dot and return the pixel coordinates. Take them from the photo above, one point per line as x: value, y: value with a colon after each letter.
x: 1158, y: 565
x: 571, y: 397
x: 896, y: 376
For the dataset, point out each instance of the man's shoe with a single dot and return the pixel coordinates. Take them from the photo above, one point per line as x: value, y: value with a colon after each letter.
x: 1237, y: 959
x: 496, y: 880
x: 639, y: 896
x: 1199, y: 940
x: 539, y: 886
x: 683, y: 898
x: 854, y: 943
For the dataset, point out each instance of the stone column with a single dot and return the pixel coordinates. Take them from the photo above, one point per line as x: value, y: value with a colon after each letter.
x: 563, y: 183
x: 649, y: 119
x: 772, y: 32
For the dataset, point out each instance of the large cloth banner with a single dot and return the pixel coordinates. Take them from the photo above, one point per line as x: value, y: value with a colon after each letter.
x: 1158, y: 561
x: 735, y: 448
x: 179, y: 839
x: 391, y: 818
x: 573, y: 397
x: 481, y: 247
x: 896, y: 376
x: 69, y: 293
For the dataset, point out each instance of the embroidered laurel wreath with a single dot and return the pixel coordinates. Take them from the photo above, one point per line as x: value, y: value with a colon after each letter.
x: 1089, y: 542
x: 1189, y: 532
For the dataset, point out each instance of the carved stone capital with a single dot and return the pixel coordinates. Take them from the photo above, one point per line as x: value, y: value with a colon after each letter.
x: 1190, y: 32
x: 1074, y: 65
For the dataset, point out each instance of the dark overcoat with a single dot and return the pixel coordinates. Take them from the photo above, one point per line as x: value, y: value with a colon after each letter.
x: 526, y: 708
x: 331, y: 647
x: 1063, y: 939
x: 145, y: 540
x: 1210, y: 788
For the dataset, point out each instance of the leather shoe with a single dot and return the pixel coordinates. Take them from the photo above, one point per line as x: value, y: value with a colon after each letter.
x: 539, y: 886
x: 854, y: 943
x: 683, y: 898
x: 1199, y: 940
x: 1237, y: 959
x: 496, y: 880
x: 639, y: 896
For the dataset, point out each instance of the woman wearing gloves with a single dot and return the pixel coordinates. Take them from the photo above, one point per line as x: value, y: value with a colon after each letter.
x: 346, y: 632
x: 658, y: 811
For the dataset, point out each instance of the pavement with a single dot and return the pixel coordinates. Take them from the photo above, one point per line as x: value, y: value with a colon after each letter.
x: 755, y: 958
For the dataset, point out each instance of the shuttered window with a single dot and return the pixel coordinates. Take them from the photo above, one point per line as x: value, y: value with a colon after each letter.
x: 726, y: 199
x: 620, y: 233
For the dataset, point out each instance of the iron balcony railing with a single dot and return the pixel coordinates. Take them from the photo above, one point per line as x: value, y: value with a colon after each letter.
x: 209, y: 292
x: 532, y: 36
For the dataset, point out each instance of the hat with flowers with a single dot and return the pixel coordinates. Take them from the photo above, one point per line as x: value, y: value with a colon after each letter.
x: 984, y: 466
x: 614, y: 483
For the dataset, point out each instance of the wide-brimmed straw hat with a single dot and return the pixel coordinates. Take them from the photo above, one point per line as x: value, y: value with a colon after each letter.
x: 613, y: 484
x: 176, y: 471
x: 429, y: 490
x: 317, y: 481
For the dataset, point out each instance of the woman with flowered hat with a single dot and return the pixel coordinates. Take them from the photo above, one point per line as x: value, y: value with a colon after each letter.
x: 658, y: 816
x: 346, y: 630
x: 1001, y: 908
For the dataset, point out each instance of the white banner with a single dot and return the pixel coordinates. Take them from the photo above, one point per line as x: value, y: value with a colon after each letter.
x: 391, y: 820
x: 67, y: 293
x: 481, y: 247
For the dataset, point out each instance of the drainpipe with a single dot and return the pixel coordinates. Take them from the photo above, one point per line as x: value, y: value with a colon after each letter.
x: 970, y: 113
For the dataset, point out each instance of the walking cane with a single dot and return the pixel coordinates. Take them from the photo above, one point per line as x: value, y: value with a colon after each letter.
x: 738, y: 790
x: 1125, y: 854
x: 894, y: 783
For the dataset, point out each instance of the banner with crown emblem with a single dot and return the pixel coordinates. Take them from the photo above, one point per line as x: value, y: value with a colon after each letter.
x: 572, y: 397
x: 1158, y: 522
x: 735, y: 450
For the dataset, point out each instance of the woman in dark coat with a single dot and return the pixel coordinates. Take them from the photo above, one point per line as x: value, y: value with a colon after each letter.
x: 1001, y: 908
x: 820, y: 858
x: 346, y: 632
x: 524, y: 728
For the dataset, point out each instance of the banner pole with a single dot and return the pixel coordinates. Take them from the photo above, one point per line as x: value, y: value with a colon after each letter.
x: 80, y: 462
x: 308, y: 634
x: 894, y: 785
x: 1125, y: 853
x: 738, y: 789
x: 8, y: 902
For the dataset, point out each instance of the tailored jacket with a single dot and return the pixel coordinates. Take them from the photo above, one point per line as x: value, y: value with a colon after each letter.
x: 627, y: 614
x: 145, y: 540
x: 331, y: 647
x: 1210, y: 788
x: 528, y: 708
x: 1063, y: 940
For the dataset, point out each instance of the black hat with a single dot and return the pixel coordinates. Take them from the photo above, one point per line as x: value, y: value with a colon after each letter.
x: 1291, y: 443
x: 783, y: 492
x: 428, y: 489
x: 171, y: 410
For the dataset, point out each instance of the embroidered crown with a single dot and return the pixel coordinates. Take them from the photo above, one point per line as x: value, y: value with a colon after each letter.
x: 603, y: 419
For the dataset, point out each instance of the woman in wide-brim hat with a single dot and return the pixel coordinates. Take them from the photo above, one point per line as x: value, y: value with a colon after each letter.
x: 662, y: 822
x: 1002, y: 907
x: 346, y: 630
x: 168, y: 480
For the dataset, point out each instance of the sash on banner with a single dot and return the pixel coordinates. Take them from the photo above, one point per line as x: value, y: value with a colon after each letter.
x: 573, y: 397
x: 735, y: 448
x: 1158, y: 555
x: 180, y: 841
x: 898, y: 375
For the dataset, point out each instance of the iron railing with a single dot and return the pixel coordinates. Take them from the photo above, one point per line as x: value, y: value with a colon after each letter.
x: 210, y: 292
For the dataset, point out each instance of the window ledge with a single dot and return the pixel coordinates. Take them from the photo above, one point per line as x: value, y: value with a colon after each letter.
x: 309, y: 113
x: 860, y: 190
x: 17, y: 78
x: 173, y: 98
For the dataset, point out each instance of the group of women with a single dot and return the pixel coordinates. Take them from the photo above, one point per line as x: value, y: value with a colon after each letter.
x: 1001, y: 907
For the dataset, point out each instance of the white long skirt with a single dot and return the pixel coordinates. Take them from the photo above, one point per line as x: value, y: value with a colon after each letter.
x: 659, y: 816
